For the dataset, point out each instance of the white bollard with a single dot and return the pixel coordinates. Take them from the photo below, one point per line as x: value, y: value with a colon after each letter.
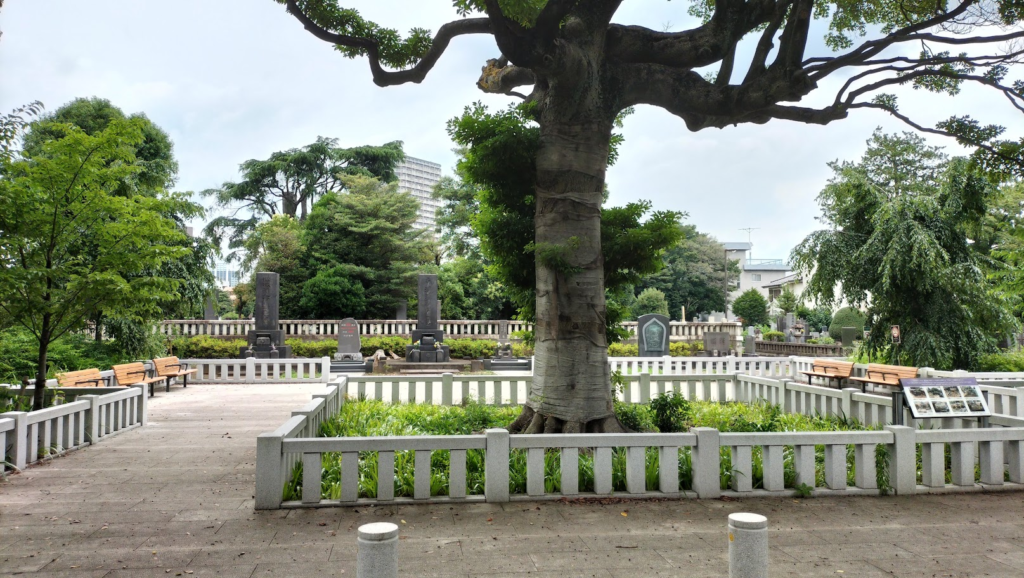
x: 748, y: 546
x: 377, y: 556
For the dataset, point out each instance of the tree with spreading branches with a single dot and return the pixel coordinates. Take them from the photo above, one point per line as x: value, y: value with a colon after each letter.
x: 584, y: 70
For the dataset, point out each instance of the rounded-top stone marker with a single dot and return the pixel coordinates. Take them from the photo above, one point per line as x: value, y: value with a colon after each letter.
x: 748, y: 521
x: 378, y: 531
x: 377, y: 556
x: 748, y: 546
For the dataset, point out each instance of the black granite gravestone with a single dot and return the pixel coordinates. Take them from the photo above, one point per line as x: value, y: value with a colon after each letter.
x: 652, y: 335
x: 431, y: 347
x: 267, y: 340
x: 210, y: 312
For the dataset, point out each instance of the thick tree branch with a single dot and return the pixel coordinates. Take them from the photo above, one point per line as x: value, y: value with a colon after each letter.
x: 498, y: 77
x: 382, y: 77
x: 694, y: 48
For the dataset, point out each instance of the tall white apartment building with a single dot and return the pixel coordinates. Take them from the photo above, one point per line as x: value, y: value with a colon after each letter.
x: 418, y: 177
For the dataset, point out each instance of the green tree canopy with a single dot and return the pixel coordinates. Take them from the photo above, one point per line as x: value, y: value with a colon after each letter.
x: 291, y: 181
x: 650, y: 300
x: 787, y: 301
x: 906, y: 253
x: 751, y: 307
x: 65, y: 193
x: 694, y: 275
x: 367, y: 235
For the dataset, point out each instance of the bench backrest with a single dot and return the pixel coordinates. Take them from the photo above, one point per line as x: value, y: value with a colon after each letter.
x: 81, y: 378
x: 166, y: 365
x: 890, y: 373
x: 129, y: 373
x: 834, y: 367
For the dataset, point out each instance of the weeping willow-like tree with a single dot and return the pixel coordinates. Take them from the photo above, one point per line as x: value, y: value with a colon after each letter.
x: 580, y: 70
x: 899, y: 240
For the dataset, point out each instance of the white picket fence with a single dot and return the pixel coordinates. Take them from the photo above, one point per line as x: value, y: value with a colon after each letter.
x: 252, y: 370
x: 28, y: 437
x: 1000, y: 446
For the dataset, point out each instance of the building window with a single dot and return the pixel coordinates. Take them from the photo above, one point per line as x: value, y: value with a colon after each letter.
x: 755, y: 276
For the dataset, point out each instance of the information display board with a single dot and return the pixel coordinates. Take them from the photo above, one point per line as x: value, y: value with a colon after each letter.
x: 945, y: 397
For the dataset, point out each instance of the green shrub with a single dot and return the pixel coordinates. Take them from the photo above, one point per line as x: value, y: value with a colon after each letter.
x: 824, y: 340
x: 321, y: 348
x: 206, y: 347
x: 635, y: 416
x: 371, y: 418
x: 773, y: 335
x: 751, y: 307
x: 650, y: 300
x: 671, y: 412
x: 19, y: 354
x: 846, y: 317
x: 1011, y: 361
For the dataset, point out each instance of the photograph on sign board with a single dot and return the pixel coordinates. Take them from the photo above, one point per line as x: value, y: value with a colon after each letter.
x: 922, y: 407
x: 918, y: 393
x: 971, y: 392
x: 958, y: 406
x: 952, y: 391
x: 935, y: 393
x: 940, y: 406
x: 975, y: 405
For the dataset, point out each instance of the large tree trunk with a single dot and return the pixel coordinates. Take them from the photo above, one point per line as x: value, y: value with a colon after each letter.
x: 571, y: 389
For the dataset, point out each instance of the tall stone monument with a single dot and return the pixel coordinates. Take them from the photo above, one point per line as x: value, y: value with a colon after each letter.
x: 431, y: 348
x: 210, y: 312
x: 267, y: 340
x: 653, y: 334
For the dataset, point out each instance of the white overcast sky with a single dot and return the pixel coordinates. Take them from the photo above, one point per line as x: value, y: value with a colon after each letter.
x: 231, y: 80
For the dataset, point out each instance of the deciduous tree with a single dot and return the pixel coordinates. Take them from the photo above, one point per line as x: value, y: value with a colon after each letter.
x: 584, y: 70
x: 751, y: 307
x: 67, y: 192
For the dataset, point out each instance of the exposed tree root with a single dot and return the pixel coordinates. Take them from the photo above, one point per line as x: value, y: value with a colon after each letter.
x: 531, y: 422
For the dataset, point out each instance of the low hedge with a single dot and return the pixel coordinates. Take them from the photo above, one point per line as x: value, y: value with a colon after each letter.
x: 206, y: 347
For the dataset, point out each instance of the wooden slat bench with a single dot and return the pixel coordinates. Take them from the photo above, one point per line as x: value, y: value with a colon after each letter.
x: 885, y: 375
x: 171, y: 368
x: 133, y: 374
x: 829, y: 369
x: 81, y: 378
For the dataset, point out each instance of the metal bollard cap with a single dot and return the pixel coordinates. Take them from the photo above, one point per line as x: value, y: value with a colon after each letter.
x: 378, y: 532
x: 747, y: 521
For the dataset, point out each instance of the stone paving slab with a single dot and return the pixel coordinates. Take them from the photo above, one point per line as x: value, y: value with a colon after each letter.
x: 176, y: 499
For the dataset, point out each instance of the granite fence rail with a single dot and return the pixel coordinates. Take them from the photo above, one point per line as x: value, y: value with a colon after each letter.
x: 29, y: 437
x: 480, y: 329
x: 998, y: 450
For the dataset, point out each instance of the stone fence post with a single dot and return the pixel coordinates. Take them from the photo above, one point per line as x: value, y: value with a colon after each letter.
x: 325, y: 372
x: 902, y: 460
x: 496, y: 466
x: 19, y: 453
x: 706, y: 463
x: 92, y: 417
x: 269, y: 471
x: 250, y: 370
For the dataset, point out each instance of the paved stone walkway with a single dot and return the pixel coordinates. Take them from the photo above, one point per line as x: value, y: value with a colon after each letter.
x: 175, y: 499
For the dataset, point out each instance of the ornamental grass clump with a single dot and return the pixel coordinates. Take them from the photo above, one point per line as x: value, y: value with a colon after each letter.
x: 666, y: 413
